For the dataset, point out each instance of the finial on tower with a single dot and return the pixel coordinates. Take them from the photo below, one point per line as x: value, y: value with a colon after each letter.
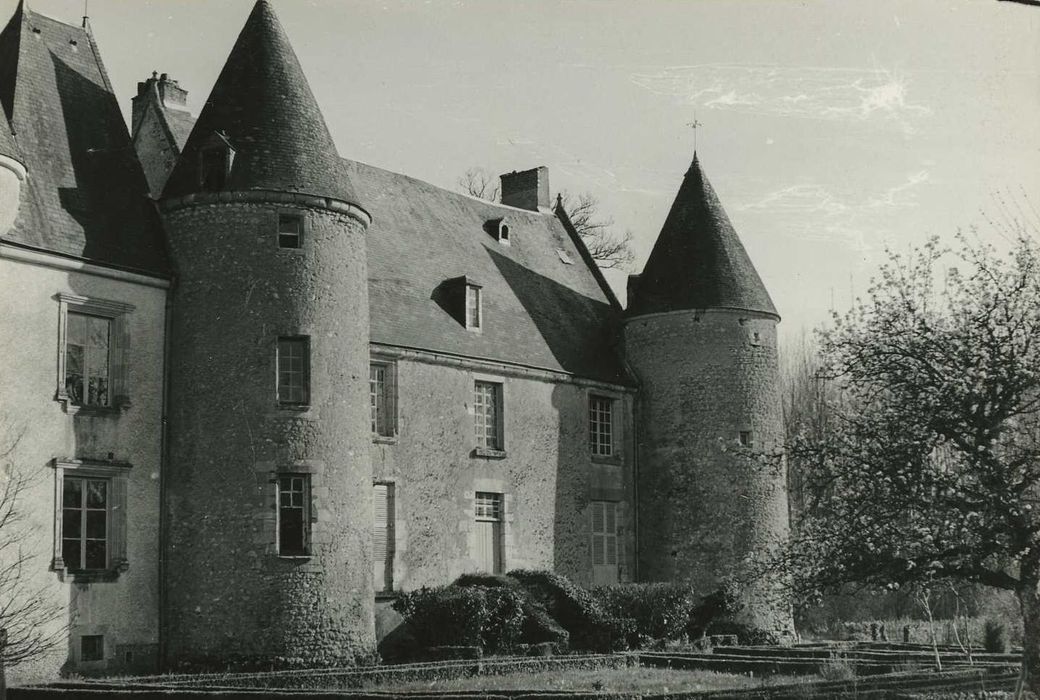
x: 694, y: 125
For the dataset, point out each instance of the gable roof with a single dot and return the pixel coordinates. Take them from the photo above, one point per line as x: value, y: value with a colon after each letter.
x: 698, y: 261
x: 85, y: 195
x: 539, y: 311
x: 263, y: 106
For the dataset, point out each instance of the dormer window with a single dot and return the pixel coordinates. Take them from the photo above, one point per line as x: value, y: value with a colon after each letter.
x: 474, y: 314
x: 215, y: 158
x: 499, y: 228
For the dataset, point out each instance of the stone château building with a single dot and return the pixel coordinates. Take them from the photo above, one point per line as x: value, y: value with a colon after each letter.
x: 258, y: 388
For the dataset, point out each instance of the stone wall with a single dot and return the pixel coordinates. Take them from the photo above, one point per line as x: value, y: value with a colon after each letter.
x: 230, y: 595
x: 706, y: 501
x: 40, y: 432
x: 546, y: 474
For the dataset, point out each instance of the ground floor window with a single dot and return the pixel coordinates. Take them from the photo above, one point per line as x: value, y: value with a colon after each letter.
x: 604, y: 542
x: 90, y: 518
x: 92, y: 647
x: 488, y: 541
x: 294, y: 515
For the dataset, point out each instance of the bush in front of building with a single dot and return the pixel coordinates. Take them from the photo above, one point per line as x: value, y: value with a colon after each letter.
x: 590, y: 627
x: 538, y: 626
x: 487, y: 617
x: 658, y: 611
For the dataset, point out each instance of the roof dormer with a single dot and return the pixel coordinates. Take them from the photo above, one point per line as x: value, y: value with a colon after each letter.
x: 500, y: 230
x: 215, y: 158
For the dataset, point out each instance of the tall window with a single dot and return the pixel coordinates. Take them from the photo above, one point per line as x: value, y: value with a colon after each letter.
x: 381, y: 398
x: 488, y: 536
x: 294, y: 515
x: 87, y: 340
x: 473, y: 311
x: 601, y: 434
x: 84, y: 523
x: 294, y: 371
x: 290, y: 231
x: 604, y: 542
x: 487, y: 415
x: 383, y: 537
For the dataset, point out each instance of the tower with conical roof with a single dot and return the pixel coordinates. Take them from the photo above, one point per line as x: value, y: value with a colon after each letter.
x: 700, y: 334
x: 267, y: 493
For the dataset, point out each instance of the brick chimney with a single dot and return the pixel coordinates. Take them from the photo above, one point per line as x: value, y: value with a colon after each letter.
x: 528, y: 189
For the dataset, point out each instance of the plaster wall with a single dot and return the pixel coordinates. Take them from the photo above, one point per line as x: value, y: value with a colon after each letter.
x: 231, y: 596
x: 546, y: 475
x: 38, y: 429
x: 707, y: 503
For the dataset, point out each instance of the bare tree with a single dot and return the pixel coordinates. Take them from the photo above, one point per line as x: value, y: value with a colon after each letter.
x: 477, y: 182
x: 32, y: 621
x: 607, y: 247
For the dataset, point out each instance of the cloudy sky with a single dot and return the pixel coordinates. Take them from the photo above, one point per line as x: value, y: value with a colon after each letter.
x: 830, y: 129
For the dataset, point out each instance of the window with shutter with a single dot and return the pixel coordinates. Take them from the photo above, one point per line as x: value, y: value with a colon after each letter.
x: 90, y: 516
x: 604, y: 528
x: 488, y: 536
x: 93, y: 353
x: 382, y: 398
x: 383, y: 537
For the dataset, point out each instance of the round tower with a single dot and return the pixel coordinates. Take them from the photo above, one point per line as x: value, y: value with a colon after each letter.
x: 267, y: 490
x: 700, y: 334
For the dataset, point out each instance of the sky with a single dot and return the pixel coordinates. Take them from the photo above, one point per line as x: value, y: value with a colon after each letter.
x: 831, y: 130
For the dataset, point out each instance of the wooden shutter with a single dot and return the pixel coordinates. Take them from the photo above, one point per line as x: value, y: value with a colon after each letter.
x: 119, y: 360
x: 604, y: 542
x: 383, y: 537
x: 598, y: 538
x: 117, y: 523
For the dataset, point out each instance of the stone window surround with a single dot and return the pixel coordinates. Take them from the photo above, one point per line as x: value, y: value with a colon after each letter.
x: 500, y: 381
x: 117, y: 474
x: 617, y: 406
x: 307, y: 515
x: 305, y: 341
x: 390, y: 399
x: 117, y: 313
x: 297, y: 214
x: 267, y: 476
x: 499, y: 486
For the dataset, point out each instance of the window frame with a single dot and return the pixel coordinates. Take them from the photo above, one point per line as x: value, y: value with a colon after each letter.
x: 473, y: 291
x: 594, y: 433
x: 610, y: 510
x: 389, y: 396
x: 497, y: 516
x: 481, y: 448
x: 116, y: 474
x: 117, y: 313
x: 100, y: 638
x: 305, y: 372
x: 306, y: 508
x: 301, y: 234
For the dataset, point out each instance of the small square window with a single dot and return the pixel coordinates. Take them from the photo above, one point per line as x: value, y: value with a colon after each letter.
x: 92, y: 647
x: 601, y: 426
x: 294, y: 371
x: 290, y: 231
x: 487, y: 415
x: 474, y: 315
x: 745, y: 438
x: 294, y: 522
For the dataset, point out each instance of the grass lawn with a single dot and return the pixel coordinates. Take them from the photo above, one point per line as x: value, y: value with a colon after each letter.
x: 617, y: 680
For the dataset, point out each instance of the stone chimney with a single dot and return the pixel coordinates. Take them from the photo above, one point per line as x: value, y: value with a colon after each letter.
x: 166, y: 90
x: 528, y: 189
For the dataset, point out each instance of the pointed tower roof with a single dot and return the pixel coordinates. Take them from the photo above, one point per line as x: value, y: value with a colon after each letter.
x: 698, y: 261
x: 262, y: 106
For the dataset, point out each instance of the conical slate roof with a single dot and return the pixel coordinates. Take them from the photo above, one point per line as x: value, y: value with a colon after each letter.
x: 698, y: 261
x: 263, y: 107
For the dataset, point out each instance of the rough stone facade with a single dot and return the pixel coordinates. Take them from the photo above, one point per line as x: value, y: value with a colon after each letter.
x: 709, y: 382
x: 229, y: 592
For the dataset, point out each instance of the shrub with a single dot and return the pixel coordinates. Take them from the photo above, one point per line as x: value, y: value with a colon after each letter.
x: 538, y: 625
x: 574, y: 609
x: 745, y: 634
x: 657, y: 610
x: 721, y: 604
x: 837, y: 668
x: 490, y: 618
x: 995, y: 637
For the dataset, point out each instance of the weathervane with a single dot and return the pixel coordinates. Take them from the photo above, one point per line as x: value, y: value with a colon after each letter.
x: 693, y: 125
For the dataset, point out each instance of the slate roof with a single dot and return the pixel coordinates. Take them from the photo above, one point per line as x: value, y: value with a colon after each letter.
x: 263, y: 106
x: 86, y: 194
x: 698, y: 261
x: 538, y: 310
